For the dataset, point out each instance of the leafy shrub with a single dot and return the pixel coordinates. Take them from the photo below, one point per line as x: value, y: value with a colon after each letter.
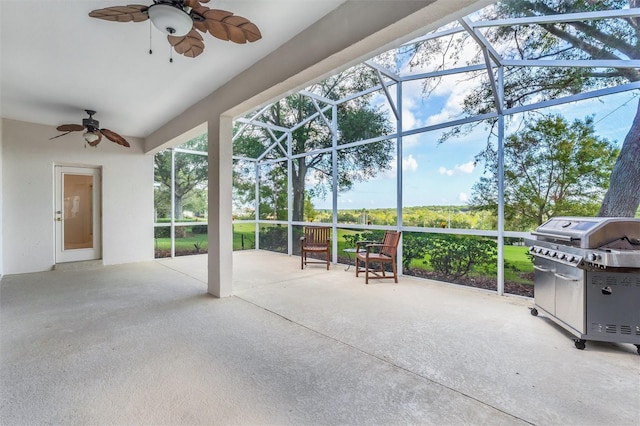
x: 454, y: 256
x: 200, y: 229
x: 352, y: 239
x: 162, y: 231
x: 274, y: 238
x: 414, y: 246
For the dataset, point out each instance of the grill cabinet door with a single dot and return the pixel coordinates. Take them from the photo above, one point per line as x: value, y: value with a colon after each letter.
x: 545, y: 284
x: 570, y: 297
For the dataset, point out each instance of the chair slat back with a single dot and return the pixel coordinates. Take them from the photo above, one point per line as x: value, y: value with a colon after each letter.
x: 391, y: 238
x: 316, y: 235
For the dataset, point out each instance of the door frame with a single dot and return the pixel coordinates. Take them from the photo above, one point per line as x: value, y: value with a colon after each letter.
x: 83, y: 254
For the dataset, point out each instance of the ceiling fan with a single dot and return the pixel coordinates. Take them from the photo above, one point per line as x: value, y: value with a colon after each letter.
x: 180, y: 19
x: 93, y: 134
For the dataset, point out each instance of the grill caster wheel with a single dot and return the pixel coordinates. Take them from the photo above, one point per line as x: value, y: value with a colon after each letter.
x: 638, y: 346
x: 534, y: 312
x: 580, y: 344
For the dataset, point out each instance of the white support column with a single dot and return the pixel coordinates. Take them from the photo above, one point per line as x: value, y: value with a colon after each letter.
x: 500, y: 277
x: 334, y: 181
x: 172, y: 229
x: 220, y: 207
x: 256, y: 209
x: 399, y: 167
x: 289, y: 194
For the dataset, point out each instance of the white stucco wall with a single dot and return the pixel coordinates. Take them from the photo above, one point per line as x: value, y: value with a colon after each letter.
x: 28, y: 158
x: 1, y: 203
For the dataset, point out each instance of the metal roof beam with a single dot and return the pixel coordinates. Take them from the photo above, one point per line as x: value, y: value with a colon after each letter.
x: 577, y: 63
x: 567, y: 17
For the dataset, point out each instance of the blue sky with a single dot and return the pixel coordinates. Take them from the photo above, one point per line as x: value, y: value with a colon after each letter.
x: 443, y: 174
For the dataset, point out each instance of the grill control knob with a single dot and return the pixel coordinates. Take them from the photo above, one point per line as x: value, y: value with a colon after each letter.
x: 593, y: 257
x: 563, y: 257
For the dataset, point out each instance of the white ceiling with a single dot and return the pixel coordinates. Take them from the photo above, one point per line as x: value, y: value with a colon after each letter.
x: 56, y: 61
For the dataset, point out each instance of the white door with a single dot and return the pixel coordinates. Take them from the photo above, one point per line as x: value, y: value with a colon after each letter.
x: 77, y: 214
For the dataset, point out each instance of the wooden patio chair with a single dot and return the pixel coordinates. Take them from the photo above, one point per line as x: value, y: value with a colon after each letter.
x: 382, y: 253
x: 316, y: 239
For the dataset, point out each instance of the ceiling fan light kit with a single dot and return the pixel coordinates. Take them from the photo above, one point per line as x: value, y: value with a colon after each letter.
x: 170, y: 19
x: 183, y: 21
x: 90, y: 137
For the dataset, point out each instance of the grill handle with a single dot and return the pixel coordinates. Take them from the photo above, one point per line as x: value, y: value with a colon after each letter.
x: 555, y: 236
x: 541, y: 269
x: 566, y: 278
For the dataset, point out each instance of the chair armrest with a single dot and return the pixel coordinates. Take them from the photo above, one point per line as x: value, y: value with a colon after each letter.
x: 380, y: 247
x: 359, y: 243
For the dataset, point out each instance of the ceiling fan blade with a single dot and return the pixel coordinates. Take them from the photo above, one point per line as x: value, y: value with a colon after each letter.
x: 241, y: 30
x: 114, y: 137
x: 128, y: 13
x: 70, y: 128
x: 225, y: 25
x: 97, y: 141
x: 194, y: 3
x: 197, y: 15
x: 59, y: 135
x: 190, y: 45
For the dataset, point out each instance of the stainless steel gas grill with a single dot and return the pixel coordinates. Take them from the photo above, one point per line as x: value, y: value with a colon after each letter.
x: 587, y: 277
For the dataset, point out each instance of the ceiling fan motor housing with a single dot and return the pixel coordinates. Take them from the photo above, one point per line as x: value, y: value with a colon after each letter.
x: 90, y: 124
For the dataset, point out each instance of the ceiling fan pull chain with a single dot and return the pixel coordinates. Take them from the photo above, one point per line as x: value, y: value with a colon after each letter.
x: 150, y: 51
x: 170, y: 54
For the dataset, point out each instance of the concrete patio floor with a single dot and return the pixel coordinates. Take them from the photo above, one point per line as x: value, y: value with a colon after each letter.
x: 144, y: 344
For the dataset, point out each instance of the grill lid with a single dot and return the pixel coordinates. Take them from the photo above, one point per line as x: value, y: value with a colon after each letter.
x: 589, y: 232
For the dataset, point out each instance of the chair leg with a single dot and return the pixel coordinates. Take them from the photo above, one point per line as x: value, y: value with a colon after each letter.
x: 366, y: 270
x: 357, y: 263
x: 302, y: 259
x: 328, y: 255
x: 395, y: 272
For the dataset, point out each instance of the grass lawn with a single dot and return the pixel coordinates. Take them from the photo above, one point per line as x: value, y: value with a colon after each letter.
x: 183, y: 244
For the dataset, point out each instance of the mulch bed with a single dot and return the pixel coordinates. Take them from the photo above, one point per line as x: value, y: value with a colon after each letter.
x: 487, y: 283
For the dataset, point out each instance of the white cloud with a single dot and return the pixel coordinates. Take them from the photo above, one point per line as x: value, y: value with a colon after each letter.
x: 445, y: 171
x: 411, y: 141
x: 409, y: 164
x: 465, y: 168
x: 463, y: 197
x: 456, y: 89
x: 412, y: 102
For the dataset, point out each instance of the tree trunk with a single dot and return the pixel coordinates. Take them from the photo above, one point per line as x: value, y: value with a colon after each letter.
x: 623, y: 196
x: 178, y: 207
x: 298, y: 191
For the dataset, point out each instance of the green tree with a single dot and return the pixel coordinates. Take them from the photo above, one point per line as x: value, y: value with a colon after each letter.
x: 551, y: 168
x: 191, y: 172
x: 309, y: 211
x: 312, y: 174
x: 615, y: 39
